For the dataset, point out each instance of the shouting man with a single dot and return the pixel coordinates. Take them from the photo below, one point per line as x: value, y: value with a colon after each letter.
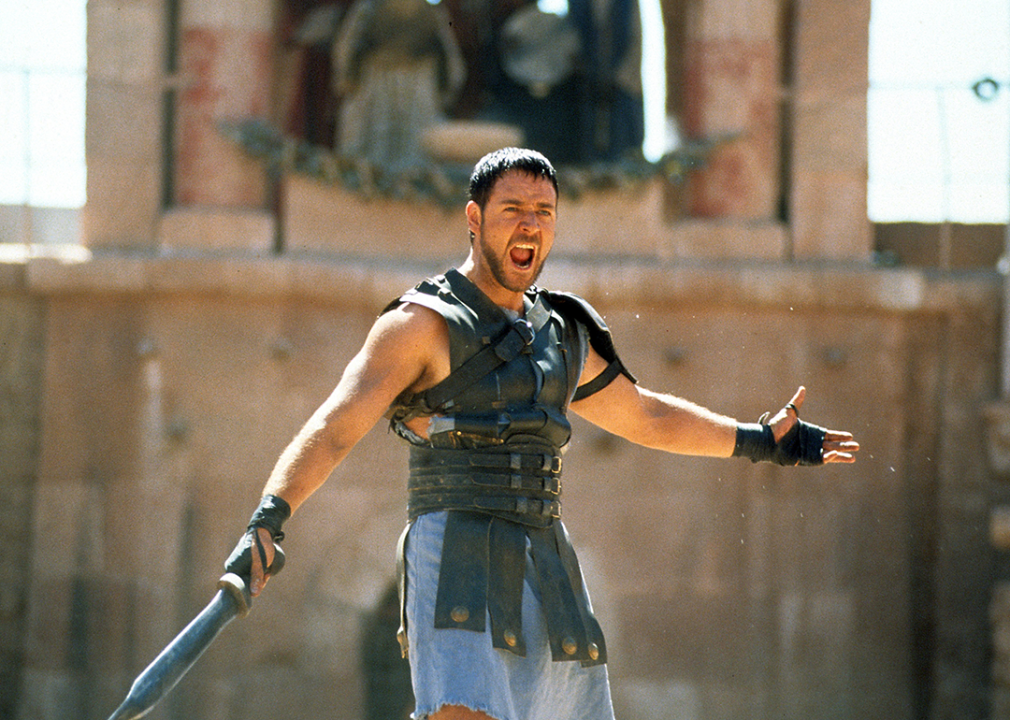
x: 476, y: 370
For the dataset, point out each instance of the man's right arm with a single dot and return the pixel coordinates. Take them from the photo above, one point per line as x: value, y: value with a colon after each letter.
x: 406, y: 349
x: 400, y: 353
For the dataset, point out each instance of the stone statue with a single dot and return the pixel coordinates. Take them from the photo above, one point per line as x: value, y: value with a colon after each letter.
x: 397, y: 66
x: 572, y: 82
x: 531, y: 66
x: 611, y: 108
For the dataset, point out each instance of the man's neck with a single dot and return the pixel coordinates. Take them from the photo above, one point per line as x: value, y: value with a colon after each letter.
x: 500, y: 296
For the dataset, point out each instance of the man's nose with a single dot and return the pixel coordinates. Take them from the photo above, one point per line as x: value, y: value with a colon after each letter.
x: 529, y: 221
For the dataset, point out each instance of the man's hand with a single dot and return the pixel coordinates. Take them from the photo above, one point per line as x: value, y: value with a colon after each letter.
x: 261, y: 561
x: 839, y: 446
x: 258, y: 554
x: 256, y: 558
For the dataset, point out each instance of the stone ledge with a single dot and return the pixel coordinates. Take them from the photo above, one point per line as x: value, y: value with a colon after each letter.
x: 15, y: 257
x: 613, y: 282
x: 322, y: 218
x: 216, y: 229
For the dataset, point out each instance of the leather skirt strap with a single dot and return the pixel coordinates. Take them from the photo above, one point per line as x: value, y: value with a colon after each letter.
x: 482, y: 573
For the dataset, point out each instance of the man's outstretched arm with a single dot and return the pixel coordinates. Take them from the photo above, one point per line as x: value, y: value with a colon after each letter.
x: 670, y: 423
x: 400, y: 353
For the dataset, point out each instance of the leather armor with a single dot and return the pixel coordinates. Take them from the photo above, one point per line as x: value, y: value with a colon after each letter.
x: 493, y: 459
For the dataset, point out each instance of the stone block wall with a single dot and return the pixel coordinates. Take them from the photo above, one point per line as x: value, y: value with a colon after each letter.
x: 827, y: 193
x: 726, y: 589
x: 787, y: 80
x: 127, y: 93
x: 1001, y: 653
x: 999, y: 535
x: 731, y: 87
x: 22, y: 321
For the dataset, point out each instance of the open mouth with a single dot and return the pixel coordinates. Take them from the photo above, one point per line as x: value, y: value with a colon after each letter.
x: 522, y: 256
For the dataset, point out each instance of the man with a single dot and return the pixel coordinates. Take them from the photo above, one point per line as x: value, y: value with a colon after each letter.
x: 476, y: 370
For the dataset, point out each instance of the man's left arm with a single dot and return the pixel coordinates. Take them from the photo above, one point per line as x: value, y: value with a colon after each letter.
x: 670, y: 423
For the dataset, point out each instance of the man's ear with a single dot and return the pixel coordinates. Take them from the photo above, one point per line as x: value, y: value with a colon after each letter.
x: 473, y: 218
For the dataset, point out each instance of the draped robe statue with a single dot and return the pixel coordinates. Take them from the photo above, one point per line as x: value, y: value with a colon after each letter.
x: 397, y: 66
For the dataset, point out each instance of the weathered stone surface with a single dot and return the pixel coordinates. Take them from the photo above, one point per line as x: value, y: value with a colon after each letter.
x: 213, y: 229
x: 159, y: 387
x: 21, y: 352
x: 827, y: 200
x: 731, y: 91
x: 227, y: 71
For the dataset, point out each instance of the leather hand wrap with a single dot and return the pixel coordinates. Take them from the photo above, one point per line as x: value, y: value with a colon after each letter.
x: 802, y: 445
x: 271, y: 514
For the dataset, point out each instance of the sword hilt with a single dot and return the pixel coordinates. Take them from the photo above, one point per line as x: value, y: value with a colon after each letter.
x: 237, y: 588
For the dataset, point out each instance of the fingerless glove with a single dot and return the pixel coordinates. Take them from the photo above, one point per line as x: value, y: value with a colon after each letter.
x: 802, y: 445
x: 270, y: 514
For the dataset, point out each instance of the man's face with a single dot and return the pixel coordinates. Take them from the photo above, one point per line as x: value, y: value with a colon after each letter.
x: 514, y: 233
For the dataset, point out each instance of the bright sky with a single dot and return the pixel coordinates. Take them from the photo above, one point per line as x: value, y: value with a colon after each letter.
x: 42, y: 114
x: 936, y: 151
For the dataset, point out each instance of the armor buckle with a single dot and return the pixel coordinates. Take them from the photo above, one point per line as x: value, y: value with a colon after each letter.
x: 525, y: 330
x: 552, y: 464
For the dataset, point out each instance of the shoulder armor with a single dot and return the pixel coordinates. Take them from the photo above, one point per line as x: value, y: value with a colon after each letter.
x: 427, y: 293
x: 600, y: 336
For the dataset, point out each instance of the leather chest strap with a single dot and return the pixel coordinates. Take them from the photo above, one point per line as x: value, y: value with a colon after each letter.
x: 516, y: 337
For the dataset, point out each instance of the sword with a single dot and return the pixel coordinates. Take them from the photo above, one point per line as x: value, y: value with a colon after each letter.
x: 165, y: 671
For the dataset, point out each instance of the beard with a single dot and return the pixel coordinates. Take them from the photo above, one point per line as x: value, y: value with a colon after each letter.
x: 500, y: 273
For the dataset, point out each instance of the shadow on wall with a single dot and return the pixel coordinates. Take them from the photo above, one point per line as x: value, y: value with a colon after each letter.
x: 388, y: 694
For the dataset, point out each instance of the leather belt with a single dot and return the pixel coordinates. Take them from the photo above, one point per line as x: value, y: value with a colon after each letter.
x: 440, y: 459
x: 524, y: 487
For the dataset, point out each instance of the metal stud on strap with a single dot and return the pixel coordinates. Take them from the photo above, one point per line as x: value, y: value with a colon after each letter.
x: 525, y: 329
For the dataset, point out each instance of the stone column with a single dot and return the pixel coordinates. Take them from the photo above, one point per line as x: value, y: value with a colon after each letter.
x: 226, y: 69
x: 827, y: 202
x: 730, y: 87
x: 125, y: 91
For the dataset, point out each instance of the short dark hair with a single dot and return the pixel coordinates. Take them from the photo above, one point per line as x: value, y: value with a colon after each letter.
x: 495, y: 164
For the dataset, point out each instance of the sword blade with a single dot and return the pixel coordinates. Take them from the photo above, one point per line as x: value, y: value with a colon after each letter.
x: 165, y: 671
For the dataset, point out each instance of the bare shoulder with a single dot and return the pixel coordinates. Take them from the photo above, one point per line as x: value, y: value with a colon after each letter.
x: 413, y: 338
x: 409, y: 324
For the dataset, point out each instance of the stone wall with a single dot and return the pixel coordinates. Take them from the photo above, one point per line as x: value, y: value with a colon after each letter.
x: 997, y: 417
x: 727, y: 590
x: 1001, y: 652
x: 22, y: 322
x: 159, y: 370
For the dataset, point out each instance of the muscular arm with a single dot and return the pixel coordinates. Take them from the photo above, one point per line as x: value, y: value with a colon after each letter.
x: 667, y: 422
x: 402, y: 351
x: 655, y: 420
x: 406, y: 349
